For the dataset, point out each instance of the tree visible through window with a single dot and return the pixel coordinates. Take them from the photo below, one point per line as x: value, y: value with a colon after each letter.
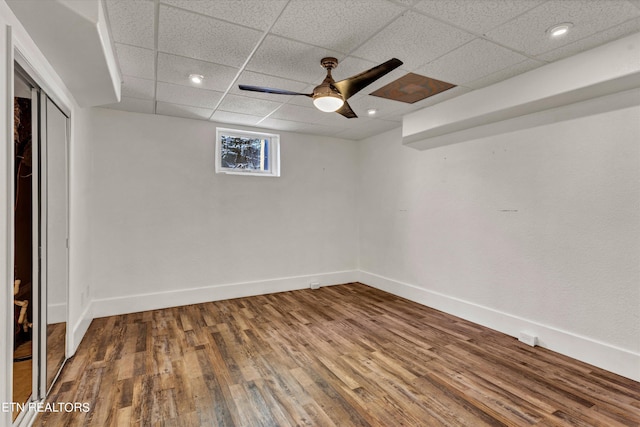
x: 247, y: 153
x: 244, y: 153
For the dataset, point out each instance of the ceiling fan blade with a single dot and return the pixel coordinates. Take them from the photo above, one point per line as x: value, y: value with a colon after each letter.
x: 271, y: 90
x: 352, y: 85
x: 346, y: 111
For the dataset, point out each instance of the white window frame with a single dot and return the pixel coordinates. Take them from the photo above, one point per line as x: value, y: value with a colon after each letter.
x: 273, y: 168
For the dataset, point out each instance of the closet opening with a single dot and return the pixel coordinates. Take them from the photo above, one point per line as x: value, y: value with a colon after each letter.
x: 23, y: 245
x: 40, y: 247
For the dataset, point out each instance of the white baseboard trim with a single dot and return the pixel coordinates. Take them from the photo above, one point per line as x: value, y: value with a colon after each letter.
x: 153, y: 301
x: 57, y: 313
x: 79, y: 330
x: 617, y: 360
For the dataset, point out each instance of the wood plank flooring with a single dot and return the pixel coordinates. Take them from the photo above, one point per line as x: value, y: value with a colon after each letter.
x: 346, y: 355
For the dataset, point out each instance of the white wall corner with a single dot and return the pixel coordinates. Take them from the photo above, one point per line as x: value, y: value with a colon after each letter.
x: 617, y: 360
x: 604, y: 70
x: 79, y: 330
x: 175, y: 298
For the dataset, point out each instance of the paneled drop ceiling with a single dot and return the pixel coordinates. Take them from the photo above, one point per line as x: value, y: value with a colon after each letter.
x: 279, y: 43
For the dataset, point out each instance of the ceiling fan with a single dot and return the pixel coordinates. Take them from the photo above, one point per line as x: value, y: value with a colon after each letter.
x: 330, y: 95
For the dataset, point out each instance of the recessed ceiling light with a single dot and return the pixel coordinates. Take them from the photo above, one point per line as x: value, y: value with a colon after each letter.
x: 372, y: 111
x: 559, y: 30
x: 196, y: 78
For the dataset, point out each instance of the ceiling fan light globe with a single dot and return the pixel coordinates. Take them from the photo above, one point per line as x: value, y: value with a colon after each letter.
x: 328, y: 104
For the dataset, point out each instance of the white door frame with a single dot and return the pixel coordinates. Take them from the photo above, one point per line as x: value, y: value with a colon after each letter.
x: 39, y: 98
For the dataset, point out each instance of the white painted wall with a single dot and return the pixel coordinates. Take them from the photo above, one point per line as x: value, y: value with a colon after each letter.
x: 167, y: 230
x: 537, y: 229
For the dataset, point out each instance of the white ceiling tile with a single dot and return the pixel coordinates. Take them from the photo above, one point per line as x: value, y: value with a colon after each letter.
x: 357, y: 122
x: 185, y: 95
x: 303, y: 101
x: 636, y: 3
x: 626, y: 28
x: 235, y: 118
x: 185, y: 111
x: 134, y: 105
x: 252, y: 78
x: 304, y: 114
x: 472, y: 61
x: 505, y: 73
x: 176, y: 69
x: 527, y: 33
x: 361, y: 103
x: 351, y: 66
x: 342, y: 25
x: 478, y: 16
x: 414, y: 39
x: 290, y: 59
x: 257, y: 14
x: 395, y: 117
x: 370, y: 127
x: 407, y: 3
x: 315, y: 129
x: 247, y: 105
x: 138, y: 88
x: 201, y: 37
x: 280, y: 124
x: 136, y: 61
x: 132, y: 22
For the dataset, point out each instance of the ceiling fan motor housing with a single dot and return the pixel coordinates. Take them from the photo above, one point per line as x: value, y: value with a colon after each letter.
x: 329, y: 62
x: 326, y: 88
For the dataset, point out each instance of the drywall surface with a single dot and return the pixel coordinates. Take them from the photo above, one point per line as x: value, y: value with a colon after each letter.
x: 80, y: 232
x: 168, y: 230
x: 535, y: 229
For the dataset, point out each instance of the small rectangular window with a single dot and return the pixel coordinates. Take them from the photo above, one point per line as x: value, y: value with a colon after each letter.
x: 247, y: 153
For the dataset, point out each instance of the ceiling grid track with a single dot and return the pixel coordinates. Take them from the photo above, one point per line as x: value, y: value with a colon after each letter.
x: 156, y: 22
x: 472, y: 45
x: 246, y: 62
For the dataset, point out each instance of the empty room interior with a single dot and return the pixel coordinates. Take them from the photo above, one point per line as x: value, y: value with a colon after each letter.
x: 320, y: 213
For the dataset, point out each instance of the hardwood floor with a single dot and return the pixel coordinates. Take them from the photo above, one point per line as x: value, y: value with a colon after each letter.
x: 346, y: 355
